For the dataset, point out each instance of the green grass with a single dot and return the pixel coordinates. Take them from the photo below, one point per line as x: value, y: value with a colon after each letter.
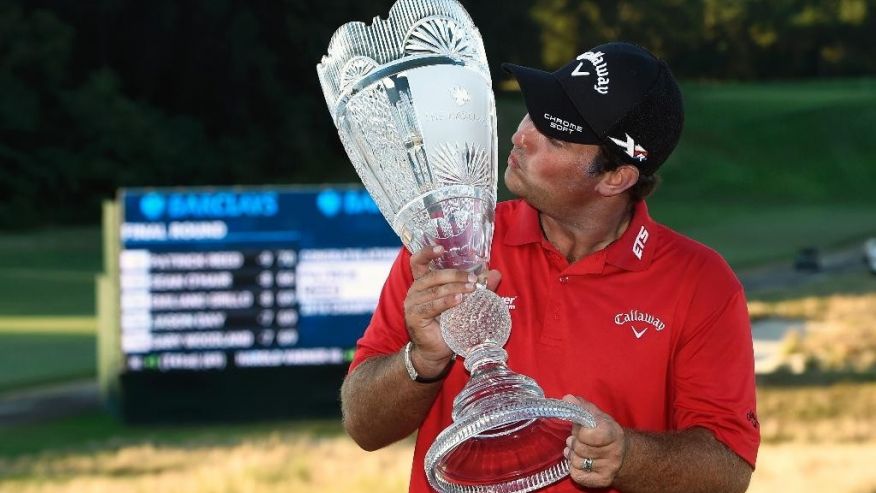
x: 851, y: 283
x: 749, y: 235
x: 47, y: 327
x: 49, y: 272
x: 39, y: 350
x: 769, y: 143
x: 99, y: 430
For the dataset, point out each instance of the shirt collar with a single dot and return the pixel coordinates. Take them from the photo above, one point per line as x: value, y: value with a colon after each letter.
x: 632, y: 251
x: 525, y: 227
x: 635, y: 248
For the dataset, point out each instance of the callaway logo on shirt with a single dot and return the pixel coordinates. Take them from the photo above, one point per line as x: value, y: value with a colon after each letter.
x: 639, y: 322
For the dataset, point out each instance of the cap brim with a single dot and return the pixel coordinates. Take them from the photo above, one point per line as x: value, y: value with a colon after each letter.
x: 551, y: 111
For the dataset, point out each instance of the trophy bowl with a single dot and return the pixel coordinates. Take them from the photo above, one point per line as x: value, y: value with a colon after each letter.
x: 411, y: 97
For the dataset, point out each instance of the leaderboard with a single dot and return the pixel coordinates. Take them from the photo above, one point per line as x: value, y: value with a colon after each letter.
x: 219, y: 279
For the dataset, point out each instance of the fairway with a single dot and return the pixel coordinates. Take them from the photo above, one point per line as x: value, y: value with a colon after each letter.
x: 809, y: 433
x: 40, y: 350
x: 798, y: 143
x: 49, y: 271
x: 748, y: 235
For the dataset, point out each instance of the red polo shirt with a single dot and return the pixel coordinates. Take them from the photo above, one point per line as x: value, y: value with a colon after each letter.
x: 653, y: 329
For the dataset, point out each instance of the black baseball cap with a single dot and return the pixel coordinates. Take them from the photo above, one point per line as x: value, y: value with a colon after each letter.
x: 617, y: 94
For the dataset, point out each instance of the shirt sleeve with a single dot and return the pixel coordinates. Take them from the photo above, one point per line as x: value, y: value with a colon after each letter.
x: 714, y: 384
x: 387, y: 334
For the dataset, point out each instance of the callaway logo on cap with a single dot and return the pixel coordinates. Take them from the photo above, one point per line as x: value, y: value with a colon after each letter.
x: 617, y: 95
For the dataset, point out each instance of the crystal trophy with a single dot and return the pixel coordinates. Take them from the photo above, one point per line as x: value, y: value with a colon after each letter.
x: 412, y: 100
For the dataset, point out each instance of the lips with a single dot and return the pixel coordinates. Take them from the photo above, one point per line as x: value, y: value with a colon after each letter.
x: 513, y: 160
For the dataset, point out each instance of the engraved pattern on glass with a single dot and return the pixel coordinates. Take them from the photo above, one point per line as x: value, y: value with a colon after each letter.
x: 356, y: 68
x: 458, y: 218
x: 462, y: 163
x: 460, y: 95
x: 439, y: 36
x: 384, y: 42
x: 374, y: 130
x: 405, y: 117
x: 481, y: 319
x: 372, y: 183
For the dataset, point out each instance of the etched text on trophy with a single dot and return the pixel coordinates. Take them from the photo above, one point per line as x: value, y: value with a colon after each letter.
x: 440, y: 116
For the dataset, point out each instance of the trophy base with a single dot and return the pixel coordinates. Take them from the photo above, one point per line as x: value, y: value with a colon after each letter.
x: 506, y: 437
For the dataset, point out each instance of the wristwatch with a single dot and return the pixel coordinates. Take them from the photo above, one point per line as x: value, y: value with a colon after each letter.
x: 412, y: 372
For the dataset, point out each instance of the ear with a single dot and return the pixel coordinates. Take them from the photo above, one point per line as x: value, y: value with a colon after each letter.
x: 618, y: 181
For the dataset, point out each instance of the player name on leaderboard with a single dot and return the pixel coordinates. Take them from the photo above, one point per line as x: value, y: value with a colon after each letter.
x: 218, y: 300
x: 279, y: 287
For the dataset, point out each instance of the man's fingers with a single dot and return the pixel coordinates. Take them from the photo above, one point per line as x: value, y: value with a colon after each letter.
x: 583, y: 449
x: 435, y: 292
x: 430, y: 284
x: 595, y: 454
x: 420, y: 260
x: 432, y: 309
x: 600, y: 436
x: 606, y: 433
x: 430, y: 302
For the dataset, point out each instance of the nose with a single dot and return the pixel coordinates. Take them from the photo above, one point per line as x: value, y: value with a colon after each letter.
x: 519, y: 138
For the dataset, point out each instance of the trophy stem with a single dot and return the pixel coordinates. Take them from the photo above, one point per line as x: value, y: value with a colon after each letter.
x: 483, y: 354
x: 491, y: 383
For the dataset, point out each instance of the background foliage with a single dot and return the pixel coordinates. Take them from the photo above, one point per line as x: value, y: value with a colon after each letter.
x: 99, y: 94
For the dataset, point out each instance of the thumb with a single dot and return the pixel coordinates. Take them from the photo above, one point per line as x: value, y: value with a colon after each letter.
x: 583, y: 403
x: 586, y: 405
x: 574, y: 399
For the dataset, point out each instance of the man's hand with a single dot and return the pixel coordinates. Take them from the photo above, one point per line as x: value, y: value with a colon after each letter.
x: 432, y: 293
x: 595, y: 454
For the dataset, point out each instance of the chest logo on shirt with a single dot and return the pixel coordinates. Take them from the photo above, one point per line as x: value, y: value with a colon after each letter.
x: 639, y: 244
x: 639, y: 322
x: 510, y: 301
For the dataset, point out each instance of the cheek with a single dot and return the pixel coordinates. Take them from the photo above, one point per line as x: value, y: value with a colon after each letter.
x: 565, y: 172
x: 572, y: 178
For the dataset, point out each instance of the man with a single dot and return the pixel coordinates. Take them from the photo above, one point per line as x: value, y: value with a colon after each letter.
x: 644, y: 328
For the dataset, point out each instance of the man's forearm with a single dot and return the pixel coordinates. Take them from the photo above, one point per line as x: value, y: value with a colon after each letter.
x: 381, y: 404
x: 686, y: 461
